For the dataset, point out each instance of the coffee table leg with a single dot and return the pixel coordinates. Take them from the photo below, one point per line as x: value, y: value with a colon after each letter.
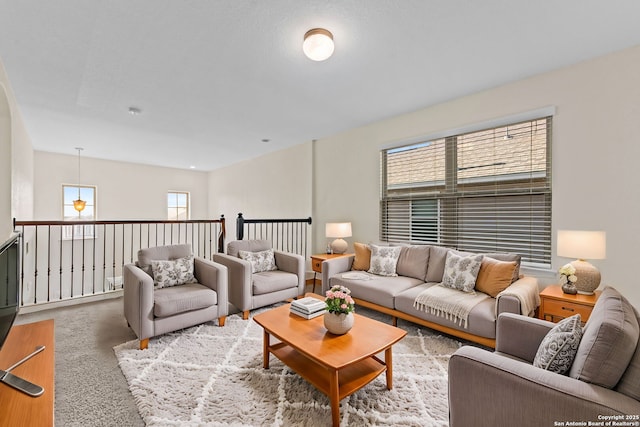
x: 334, y: 398
x: 265, y: 350
x: 388, y: 360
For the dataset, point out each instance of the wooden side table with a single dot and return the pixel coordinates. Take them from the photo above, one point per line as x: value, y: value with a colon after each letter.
x: 316, y: 264
x: 555, y: 305
x: 17, y: 407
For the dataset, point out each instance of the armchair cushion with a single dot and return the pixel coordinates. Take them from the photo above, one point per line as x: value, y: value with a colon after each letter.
x: 168, y: 273
x: 609, y: 341
x: 559, y: 346
x: 146, y: 255
x: 272, y: 281
x: 247, y: 245
x: 182, y: 298
x: 260, y: 261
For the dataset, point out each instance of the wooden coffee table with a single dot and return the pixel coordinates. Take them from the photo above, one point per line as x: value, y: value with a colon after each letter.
x: 337, y: 365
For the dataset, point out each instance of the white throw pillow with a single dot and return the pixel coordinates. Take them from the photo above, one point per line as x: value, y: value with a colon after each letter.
x: 168, y: 273
x: 384, y: 260
x: 460, y: 272
x: 559, y: 347
x: 260, y: 261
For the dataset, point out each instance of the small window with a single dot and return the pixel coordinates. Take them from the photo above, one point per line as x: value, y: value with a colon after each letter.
x: 177, y: 206
x: 69, y: 213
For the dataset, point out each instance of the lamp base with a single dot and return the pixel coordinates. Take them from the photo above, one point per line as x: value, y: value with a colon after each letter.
x: 339, y: 246
x: 588, y: 277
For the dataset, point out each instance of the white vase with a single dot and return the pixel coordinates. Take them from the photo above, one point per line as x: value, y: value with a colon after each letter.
x: 338, y: 324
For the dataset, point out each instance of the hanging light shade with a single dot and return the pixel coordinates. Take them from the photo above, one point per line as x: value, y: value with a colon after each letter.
x: 79, y: 204
x: 318, y: 44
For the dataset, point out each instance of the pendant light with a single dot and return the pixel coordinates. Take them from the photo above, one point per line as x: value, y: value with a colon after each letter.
x: 79, y: 204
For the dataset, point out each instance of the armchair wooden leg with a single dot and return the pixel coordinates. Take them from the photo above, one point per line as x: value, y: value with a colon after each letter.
x: 221, y: 320
x: 144, y: 344
x: 245, y: 315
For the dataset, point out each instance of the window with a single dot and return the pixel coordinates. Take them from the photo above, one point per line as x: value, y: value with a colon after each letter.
x: 487, y: 190
x: 69, y: 194
x: 177, y: 206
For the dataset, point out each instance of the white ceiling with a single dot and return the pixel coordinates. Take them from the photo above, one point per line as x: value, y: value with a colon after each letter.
x: 215, y: 77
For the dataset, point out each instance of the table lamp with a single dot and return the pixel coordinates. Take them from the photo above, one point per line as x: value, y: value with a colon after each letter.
x: 583, y: 245
x: 338, y: 230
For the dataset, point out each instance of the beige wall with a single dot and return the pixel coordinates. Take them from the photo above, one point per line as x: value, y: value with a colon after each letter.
x: 277, y: 185
x: 124, y: 190
x: 595, y: 157
x: 16, y: 162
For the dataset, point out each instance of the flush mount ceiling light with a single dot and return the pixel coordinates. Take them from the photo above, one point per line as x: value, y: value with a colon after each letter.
x: 318, y: 44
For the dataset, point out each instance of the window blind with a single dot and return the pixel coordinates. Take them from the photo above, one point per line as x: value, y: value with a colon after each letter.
x: 481, y: 191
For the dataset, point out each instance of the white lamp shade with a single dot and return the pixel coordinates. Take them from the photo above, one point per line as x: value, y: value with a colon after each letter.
x: 338, y: 229
x: 582, y: 244
x: 318, y: 44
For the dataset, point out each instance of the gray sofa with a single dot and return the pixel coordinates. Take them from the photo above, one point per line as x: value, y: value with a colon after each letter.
x: 504, y: 388
x: 420, y: 267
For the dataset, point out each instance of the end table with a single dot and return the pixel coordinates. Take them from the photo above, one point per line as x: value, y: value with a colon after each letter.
x: 555, y: 305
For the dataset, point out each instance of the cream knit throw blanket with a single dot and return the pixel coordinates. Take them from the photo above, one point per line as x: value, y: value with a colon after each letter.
x: 526, y: 290
x: 449, y: 303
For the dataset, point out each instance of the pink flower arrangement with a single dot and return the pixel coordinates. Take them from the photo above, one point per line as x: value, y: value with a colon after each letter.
x: 339, y: 300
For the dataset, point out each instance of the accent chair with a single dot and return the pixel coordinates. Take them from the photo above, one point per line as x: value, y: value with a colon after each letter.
x: 256, y: 281
x: 601, y: 383
x: 155, y: 302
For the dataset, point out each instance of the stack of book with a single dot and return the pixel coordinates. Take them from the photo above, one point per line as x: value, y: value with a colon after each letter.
x: 308, y: 307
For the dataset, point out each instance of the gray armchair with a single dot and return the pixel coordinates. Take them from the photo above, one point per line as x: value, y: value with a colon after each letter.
x: 503, y: 388
x: 151, y: 311
x: 248, y: 290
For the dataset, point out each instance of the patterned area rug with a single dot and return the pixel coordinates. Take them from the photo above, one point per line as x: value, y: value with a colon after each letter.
x: 207, y: 375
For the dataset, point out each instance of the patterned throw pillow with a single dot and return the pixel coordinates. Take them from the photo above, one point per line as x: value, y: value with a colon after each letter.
x: 384, y: 260
x: 560, y: 346
x: 172, y: 272
x: 460, y: 272
x: 260, y: 261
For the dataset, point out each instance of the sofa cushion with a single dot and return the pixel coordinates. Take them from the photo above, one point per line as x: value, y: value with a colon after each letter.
x: 168, y: 273
x: 609, y: 341
x: 362, y: 260
x: 481, y: 320
x: 384, y: 260
x: 260, y: 261
x: 629, y: 384
x: 272, y: 281
x: 182, y: 298
x: 460, y: 272
x: 378, y: 289
x: 508, y: 257
x: 494, y: 276
x: 413, y: 261
x: 559, y: 347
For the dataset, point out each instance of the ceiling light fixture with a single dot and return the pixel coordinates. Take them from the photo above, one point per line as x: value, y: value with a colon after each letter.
x: 79, y: 204
x: 318, y: 44
x: 134, y: 111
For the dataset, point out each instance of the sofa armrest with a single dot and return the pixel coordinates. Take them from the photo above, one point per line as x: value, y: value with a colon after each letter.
x: 138, y: 301
x: 334, y: 266
x: 215, y: 276
x: 292, y: 263
x: 487, y: 389
x: 520, y: 336
x: 521, y: 297
x: 239, y: 280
